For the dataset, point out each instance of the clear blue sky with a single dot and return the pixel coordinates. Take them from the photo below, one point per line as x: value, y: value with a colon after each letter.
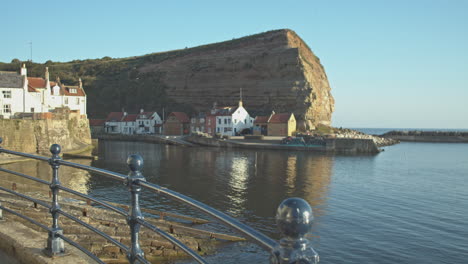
x: 389, y: 63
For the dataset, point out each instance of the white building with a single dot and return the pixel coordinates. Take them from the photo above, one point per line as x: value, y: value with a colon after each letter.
x: 128, y: 124
x: 148, y: 123
x: 21, y: 94
x: 233, y: 120
x: 113, y: 124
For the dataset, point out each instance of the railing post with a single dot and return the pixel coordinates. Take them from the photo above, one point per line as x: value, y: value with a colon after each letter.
x: 135, y: 164
x: 55, y: 245
x: 294, y: 219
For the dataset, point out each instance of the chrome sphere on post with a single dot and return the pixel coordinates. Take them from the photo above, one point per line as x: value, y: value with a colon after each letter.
x: 294, y: 219
x: 135, y: 162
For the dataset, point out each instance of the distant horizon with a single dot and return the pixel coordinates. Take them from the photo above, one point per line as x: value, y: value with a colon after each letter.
x: 389, y: 63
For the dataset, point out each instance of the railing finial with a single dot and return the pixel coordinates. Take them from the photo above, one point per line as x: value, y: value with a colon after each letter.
x: 294, y: 219
x: 135, y: 162
x: 55, y: 149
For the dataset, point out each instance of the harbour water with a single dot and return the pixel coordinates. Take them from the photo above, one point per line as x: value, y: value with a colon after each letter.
x: 407, y: 204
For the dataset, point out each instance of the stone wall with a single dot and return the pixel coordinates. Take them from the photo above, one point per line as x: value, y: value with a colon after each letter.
x: 36, y: 136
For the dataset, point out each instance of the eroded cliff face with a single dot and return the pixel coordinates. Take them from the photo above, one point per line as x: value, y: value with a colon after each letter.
x: 276, y: 71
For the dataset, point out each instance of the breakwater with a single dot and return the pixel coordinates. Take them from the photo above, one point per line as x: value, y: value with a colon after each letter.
x: 331, y: 145
x: 429, y: 136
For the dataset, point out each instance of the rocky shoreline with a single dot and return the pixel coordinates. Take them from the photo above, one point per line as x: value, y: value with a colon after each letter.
x: 380, y: 141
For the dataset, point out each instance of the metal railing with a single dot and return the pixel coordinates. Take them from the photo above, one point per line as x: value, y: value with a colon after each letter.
x: 294, y: 215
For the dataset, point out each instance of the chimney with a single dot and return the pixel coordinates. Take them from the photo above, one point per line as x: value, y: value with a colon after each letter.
x: 80, y: 83
x: 24, y: 71
x: 46, y: 73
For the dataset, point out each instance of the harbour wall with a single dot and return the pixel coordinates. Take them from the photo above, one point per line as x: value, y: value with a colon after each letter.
x: 36, y: 136
x: 334, y: 145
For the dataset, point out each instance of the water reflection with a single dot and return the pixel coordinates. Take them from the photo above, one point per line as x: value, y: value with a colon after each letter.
x: 75, y: 179
x: 247, y: 184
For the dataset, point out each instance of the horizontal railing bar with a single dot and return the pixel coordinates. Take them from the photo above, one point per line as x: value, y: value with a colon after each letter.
x: 25, y: 176
x: 261, y: 239
x: 26, y: 218
x: 109, y: 206
x: 110, y: 174
x: 26, y: 155
x: 26, y: 197
x: 97, y: 231
x: 142, y: 259
x: 173, y: 240
x: 84, y: 250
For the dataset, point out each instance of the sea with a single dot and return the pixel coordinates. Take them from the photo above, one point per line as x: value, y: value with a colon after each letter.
x: 407, y: 204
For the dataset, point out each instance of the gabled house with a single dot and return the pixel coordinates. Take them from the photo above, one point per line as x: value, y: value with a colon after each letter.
x: 20, y: 94
x: 148, y: 123
x: 260, y: 126
x: 177, y: 123
x: 113, y: 124
x: 233, y: 121
x: 283, y: 124
x: 128, y: 124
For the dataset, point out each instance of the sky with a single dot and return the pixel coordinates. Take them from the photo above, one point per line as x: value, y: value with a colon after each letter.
x: 391, y: 64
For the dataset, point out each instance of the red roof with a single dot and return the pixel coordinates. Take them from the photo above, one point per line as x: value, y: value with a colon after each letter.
x: 130, y: 118
x: 35, y: 82
x: 280, y: 118
x: 181, y: 116
x: 65, y: 90
x: 96, y: 122
x: 261, y: 119
x: 114, y: 116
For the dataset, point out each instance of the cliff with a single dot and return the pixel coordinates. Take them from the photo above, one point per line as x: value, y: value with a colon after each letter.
x: 36, y: 136
x: 276, y: 71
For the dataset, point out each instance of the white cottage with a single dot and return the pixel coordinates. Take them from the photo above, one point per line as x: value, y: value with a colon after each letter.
x: 233, y: 120
x: 148, y: 123
x: 21, y: 94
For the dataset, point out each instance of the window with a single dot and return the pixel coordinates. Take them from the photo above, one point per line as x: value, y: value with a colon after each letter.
x: 66, y: 100
x: 72, y: 90
x: 229, y: 121
x: 7, y: 109
x: 202, y: 120
x: 235, y: 121
x: 225, y: 121
x: 209, y: 122
x: 77, y: 101
x: 225, y: 129
x: 219, y: 121
x: 32, y: 109
x: 6, y: 94
x: 217, y: 129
